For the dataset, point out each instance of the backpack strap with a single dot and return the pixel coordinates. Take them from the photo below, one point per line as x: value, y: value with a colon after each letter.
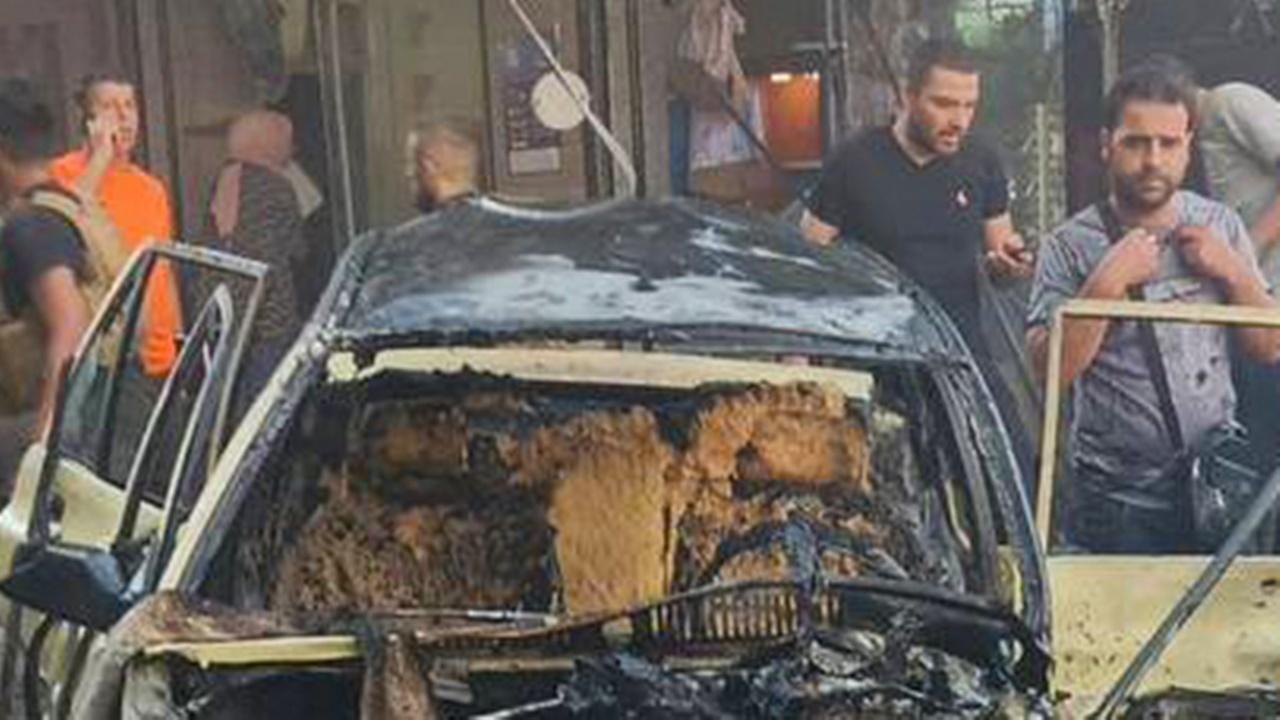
x: 1147, y: 339
x: 21, y: 333
x: 104, y: 252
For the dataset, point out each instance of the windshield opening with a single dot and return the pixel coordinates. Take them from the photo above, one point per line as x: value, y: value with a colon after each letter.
x: 467, y: 490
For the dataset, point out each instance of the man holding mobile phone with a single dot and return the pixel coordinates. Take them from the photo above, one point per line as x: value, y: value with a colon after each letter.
x: 138, y: 205
x: 934, y: 201
x: 136, y: 201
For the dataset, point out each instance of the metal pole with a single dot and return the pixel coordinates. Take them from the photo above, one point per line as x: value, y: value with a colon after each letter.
x: 1042, y: 169
x: 340, y: 115
x: 490, y: 143
x: 334, y: 127
x: 1194, y: 597
x: 1111, y: 15
x: 846, y: 70
x: 324, y: 28
x: 593, y: 44
x: 635, y: 79
x: 829, y: 94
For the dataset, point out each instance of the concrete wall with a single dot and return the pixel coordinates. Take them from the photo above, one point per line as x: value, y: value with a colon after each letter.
x: 774, y: 29
x: 425, y: 64
x: 55, y: 43
x: 210, y: 84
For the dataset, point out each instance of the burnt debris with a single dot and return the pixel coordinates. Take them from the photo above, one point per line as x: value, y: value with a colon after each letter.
x: 730, y: 551
x: 538, y: 499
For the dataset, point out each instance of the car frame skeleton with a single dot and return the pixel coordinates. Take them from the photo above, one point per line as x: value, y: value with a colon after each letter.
x: 672, y: 297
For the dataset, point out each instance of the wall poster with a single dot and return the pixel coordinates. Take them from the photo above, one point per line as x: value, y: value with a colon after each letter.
x: 532, y: 148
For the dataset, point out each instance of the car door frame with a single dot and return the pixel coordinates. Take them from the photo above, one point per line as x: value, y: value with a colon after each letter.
x: 1104, y: 607
x: 30, y: 502
x: 23, y: 506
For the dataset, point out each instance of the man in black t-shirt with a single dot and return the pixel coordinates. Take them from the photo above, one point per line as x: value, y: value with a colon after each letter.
x: 931, y: 200
x: 922, y: 194
x: 43, y: 263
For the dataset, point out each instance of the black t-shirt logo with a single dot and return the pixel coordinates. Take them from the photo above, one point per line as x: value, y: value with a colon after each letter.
x: 962, y: 199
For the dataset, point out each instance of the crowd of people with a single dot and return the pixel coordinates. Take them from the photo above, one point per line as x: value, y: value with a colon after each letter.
x: 71, y: 221
x: 1147, y: 399
x: 72, y: 218
x: 1150, y: 402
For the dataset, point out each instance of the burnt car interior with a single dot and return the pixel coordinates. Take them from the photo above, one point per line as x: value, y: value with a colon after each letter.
x: 410, y: 503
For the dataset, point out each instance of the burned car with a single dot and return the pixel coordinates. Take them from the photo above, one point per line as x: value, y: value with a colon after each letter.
x: 645, y: 458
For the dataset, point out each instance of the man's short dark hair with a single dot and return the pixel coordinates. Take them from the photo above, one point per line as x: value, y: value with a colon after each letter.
x: 84, y: 91
x: 938, y: 52
x: 26, y: 122
x: 1173, y: 65
x: 1160, y: 82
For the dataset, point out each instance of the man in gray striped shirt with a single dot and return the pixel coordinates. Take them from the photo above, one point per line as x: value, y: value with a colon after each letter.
x: 1173, y: 246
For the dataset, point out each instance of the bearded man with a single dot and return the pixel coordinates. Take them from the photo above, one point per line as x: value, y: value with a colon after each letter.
x: 1148, y: 240
x: 924, y: 194
x: 932, y: 200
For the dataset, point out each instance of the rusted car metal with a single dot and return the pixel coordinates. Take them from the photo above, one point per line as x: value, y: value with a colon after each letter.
x: 646, y: 458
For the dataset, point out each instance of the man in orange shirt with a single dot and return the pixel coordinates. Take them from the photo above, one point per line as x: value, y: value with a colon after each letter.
x: 136, y: 202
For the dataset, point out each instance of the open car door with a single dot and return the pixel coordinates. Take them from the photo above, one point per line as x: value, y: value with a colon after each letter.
x: 1106, y: 607
x: 95, y: 508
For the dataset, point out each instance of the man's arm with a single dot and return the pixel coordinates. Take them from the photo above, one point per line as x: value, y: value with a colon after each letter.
x: 1213, y: 258
x: 65, y: 317
x: 1261, y: 344
x: 1081, y: 338
x: 100, y: 149
x: 828, y: 207
x: 817, y: 231
x: 1266, y: 227
x: 1252, y: 117
x: 1006, y: 251
x: 1129, y: 262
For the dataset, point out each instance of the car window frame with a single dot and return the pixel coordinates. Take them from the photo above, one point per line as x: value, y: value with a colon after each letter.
x: 127, y: 294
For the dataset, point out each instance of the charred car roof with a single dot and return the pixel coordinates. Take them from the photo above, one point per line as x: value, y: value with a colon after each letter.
x: 481, y: 269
